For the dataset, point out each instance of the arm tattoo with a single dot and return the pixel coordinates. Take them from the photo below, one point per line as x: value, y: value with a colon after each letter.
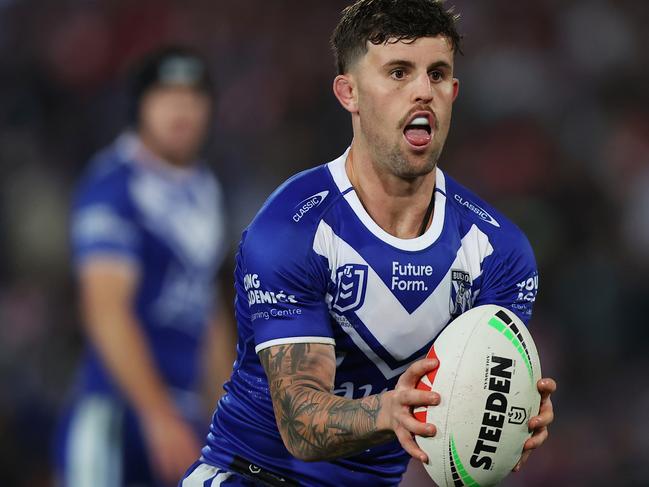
x: 314, y: 423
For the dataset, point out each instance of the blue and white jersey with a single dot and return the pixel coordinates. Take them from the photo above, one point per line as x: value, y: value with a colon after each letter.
x: 314, y: 267
x: 168, y: 223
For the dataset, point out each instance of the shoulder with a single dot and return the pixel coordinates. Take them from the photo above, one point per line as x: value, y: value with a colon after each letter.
x: 506, y: 237
x: 291, y: 214
x: 103, y: 219
x: 277, y: 247
x: 105, y: 179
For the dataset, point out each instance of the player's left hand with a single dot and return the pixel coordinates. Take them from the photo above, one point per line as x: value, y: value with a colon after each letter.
x: 539, y: 424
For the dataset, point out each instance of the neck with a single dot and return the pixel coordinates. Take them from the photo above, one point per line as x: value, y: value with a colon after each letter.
x: 396, y: 204
x: 155, y: 151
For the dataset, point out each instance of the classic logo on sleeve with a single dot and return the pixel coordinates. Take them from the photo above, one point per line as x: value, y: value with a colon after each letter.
x: 351, y: 285
x: 306, y: 205
x: 481, y: 212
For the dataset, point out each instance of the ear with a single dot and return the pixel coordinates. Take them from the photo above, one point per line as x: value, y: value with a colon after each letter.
x: 456, y: 88
x: 345, y: 90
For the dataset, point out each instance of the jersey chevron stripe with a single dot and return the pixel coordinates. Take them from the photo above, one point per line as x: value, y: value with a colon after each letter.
x: 403, y: 341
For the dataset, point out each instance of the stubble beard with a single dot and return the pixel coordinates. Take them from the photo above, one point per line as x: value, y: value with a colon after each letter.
x: 395, y: 160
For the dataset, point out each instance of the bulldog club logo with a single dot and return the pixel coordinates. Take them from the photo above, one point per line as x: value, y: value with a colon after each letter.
x: 351, y: 283
x: 461, y: 295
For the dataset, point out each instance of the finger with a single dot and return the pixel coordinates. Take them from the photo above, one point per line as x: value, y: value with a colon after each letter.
x: 181, y: 468
x: 171, y: 470
x: 541, y: 421
x: 417, y: 397
x: 173, y: 459
x: 182, y: 461
x: 410, y: 445
x: 160, y: 461
x: 537, y: 439
x: 417, y: 370
x: 521, y: 462
x: 166, y: 469
x: 544, y: 418
x: 186, y: 455
x: 416, y: 427
x: 176, y: 473
x: 546, y: 405
x: 546, y: 387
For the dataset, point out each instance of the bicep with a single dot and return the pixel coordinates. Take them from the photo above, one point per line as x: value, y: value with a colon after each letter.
x: 107, y: 285
x: 311, y: 365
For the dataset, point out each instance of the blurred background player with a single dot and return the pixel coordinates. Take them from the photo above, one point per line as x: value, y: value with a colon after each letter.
x: 148, y: 237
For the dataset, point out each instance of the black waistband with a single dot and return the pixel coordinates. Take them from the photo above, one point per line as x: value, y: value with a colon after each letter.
x: 258, y: 474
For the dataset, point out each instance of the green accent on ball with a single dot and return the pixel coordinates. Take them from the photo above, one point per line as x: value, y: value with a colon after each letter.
x: 497, y: 324
x: 464, y: 475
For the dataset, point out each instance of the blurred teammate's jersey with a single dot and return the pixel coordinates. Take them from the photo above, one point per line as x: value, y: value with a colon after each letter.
x: 168, y: 224
x: 314, y: 267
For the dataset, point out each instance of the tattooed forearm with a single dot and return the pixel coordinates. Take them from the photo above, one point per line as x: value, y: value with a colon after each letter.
x: 316, y: 424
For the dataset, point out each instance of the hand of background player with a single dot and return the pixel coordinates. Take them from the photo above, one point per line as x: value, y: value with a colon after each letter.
x: 539, y: 424
x: 398, y: 404
x: 173, y: 445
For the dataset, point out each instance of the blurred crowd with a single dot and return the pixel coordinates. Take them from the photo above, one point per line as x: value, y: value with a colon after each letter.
x: 552, y: 126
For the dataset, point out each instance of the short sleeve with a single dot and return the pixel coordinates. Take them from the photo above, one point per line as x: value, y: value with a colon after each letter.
x: 510, y: 278
x: 285, y: 285
x: 102, y: 224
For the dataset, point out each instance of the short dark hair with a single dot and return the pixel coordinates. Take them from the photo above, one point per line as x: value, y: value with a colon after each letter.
x: 381, y: 21
x: 166, y: 65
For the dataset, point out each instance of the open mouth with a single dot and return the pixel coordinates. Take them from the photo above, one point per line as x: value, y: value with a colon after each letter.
x: 419, y: 131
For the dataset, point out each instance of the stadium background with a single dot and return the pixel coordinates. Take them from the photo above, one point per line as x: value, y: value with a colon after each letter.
x: 552, y: 126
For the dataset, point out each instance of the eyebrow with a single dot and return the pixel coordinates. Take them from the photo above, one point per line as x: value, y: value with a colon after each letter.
x: 410, y: 64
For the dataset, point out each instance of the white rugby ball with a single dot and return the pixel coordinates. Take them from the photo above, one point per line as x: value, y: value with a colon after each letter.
x: 486, y: 379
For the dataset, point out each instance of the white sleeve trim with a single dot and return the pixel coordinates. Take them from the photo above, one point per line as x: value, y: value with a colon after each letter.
x: 284, y: 341
x: 108, y: 256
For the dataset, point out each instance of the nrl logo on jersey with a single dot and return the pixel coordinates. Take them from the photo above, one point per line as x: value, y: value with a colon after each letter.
x: 351, y: 283
x: 460, y: 292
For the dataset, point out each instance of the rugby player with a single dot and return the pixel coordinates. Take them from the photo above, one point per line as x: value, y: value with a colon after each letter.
x: 148, y: 238
x: 351, y: 269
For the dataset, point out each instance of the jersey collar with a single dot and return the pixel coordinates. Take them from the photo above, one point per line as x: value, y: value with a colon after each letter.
x: 339, y: 174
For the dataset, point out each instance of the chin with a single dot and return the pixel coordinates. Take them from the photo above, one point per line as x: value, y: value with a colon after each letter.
x: 180, y: 155
x: 416, y: 164
x: 409, y: 169
x: 416, y: 172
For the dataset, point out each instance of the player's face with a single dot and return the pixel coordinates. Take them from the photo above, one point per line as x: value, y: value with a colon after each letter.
x: 405, y: 94
x: 173, y: 122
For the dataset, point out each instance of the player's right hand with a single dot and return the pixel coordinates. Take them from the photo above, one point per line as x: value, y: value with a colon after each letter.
x: 400, y: 402
x: 172, y: 444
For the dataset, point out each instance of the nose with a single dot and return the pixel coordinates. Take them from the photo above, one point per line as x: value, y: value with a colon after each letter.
x: 422, y: 89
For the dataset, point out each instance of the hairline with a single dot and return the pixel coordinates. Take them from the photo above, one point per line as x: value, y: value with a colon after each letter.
x: 361, y: 52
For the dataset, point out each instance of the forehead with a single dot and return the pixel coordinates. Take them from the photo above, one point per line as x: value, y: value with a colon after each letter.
x: 424, y: 51
x: 175, y: 90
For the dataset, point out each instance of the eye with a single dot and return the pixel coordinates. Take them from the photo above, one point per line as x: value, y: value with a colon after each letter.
x: 436, y: 75
x: 398, y: 73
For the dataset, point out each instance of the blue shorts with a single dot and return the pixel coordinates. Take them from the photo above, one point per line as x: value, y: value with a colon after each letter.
x: 99, y: 443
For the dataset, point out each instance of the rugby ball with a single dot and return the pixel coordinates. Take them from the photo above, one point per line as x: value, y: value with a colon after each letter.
x: 487, y: 375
